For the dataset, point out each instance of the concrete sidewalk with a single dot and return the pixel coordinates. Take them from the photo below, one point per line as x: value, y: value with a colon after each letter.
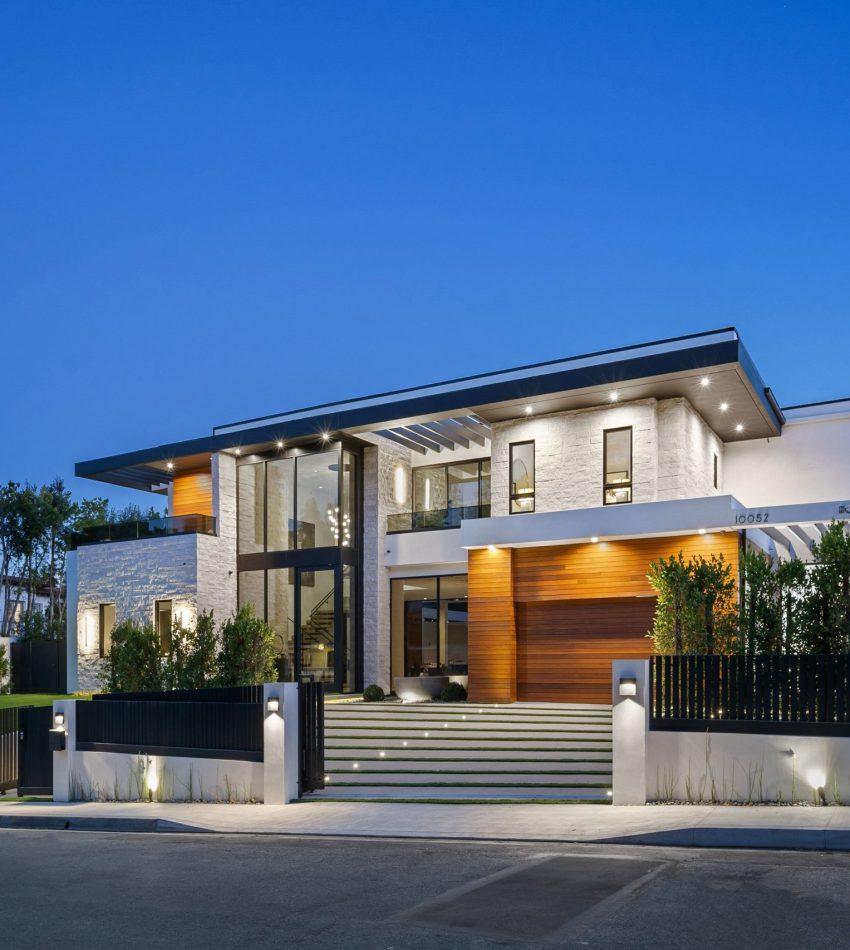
x: 826, y: 828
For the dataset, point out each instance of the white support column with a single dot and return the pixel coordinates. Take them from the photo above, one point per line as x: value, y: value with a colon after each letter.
x: 630, y: 728
x: 280, y: 744
x: 63, y: 762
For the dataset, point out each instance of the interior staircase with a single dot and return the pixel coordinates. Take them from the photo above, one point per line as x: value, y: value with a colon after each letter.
x: 462, y: 752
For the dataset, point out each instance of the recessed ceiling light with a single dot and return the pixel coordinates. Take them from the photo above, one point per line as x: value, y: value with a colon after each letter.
x: 739, y: 427
x: 614, y: 396
x: 724, y: 406
x: 705, y: 381
x: 326, y: 436
x: 491, y: 548
x: 701, y: 531
x: 169, y: 466
x: 594, y: 539
x: 279, y: 443
x: 529, y: 410
x: 237, y: 451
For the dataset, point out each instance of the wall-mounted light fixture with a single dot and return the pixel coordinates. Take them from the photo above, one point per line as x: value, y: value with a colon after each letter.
x: 628, y: 686
x: 58, y: 719
x: 273, y: 704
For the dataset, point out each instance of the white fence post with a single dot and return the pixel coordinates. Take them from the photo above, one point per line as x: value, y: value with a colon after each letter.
x: 280, y: 744
x: 630, y: 728
x: 63, y: 762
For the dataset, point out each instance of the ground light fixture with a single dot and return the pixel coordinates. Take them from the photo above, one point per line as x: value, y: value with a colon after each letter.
x: 817, y: 779
x: 273, y: 704
x: 628, y: 686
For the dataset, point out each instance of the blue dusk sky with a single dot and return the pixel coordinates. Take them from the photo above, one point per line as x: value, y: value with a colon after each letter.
x: 217, y: 210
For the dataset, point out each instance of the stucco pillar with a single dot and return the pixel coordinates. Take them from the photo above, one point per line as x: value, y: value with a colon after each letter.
x: 630, y: 728
x: 280, y: 744
x: 63, y: 762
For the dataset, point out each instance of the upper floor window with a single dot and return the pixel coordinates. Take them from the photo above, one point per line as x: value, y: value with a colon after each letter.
x: 617, y: 466
x: 522, y: 477
x: 445, y: 494
x: 297, y: 502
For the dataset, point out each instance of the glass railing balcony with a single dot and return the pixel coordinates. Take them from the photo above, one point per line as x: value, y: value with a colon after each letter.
x: 137, y: 530
x: 435, y: 519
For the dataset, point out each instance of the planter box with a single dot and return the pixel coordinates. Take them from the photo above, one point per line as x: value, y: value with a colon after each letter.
x: 424, y: 689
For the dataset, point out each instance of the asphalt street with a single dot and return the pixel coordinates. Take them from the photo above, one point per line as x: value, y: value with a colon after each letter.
x: 96, y: 890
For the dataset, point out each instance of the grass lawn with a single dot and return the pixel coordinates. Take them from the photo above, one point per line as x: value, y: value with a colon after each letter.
x: 35, y: 699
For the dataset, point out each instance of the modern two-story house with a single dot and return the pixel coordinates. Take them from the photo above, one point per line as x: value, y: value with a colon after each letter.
x: 498, y: 526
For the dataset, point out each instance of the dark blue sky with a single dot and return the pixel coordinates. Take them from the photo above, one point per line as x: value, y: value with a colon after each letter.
x: 211, y: 211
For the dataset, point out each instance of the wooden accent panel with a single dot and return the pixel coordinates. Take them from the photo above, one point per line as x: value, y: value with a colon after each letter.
x: 609, y: 568
x: 492, y: 629
x: 191, y: 493
x: 565, y: 648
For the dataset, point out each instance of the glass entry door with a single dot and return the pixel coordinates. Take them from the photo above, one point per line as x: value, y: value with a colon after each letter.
x: 316, y: 623
x: 324, y: 623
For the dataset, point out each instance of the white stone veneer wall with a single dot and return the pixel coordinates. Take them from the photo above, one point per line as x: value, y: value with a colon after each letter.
x: 196, y: 572
x: 386, y: 467
x: 672, y: 454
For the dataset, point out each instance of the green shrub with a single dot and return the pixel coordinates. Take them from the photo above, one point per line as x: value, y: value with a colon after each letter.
x: 134, y: 663
x: 453, y: 693
x: 192, y: 662
x: 247, y: 651
x: 373, y: 694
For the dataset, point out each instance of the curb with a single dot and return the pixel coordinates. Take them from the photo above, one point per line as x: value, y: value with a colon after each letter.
x: 135, y: 825
x: 777, y: 839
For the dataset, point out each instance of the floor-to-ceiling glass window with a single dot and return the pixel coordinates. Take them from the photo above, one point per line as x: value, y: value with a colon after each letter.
x: 280, y: 616
x: 429, y: 625
x: 298, y: 556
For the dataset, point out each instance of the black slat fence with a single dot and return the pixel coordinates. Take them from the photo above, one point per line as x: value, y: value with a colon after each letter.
x: 793, y: 694
x: 311, y: 740
x: 8, y: 749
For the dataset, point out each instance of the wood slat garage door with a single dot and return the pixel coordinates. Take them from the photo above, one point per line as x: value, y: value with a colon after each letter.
x: 565, y: 647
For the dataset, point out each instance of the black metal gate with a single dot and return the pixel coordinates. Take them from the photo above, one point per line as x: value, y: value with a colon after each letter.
x: 311, y: 738
x: 35, y: 760
x: 8, y: 749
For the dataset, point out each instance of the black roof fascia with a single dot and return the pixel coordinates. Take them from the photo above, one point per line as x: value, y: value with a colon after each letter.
x: 610, y: 373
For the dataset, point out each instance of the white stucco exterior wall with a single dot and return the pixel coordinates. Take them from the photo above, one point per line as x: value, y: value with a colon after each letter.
x: 809, y: 462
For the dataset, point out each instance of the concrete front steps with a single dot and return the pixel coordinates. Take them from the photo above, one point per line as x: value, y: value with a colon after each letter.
x: 522, y: 752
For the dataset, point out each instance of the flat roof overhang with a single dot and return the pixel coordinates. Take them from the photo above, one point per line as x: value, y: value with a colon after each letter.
x: 792, y: 528
x: 664, y: 369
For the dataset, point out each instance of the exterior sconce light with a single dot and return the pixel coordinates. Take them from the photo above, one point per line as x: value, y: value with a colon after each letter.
x: 273, y: 704
x: 59, y: 719
x: 628, y: 686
